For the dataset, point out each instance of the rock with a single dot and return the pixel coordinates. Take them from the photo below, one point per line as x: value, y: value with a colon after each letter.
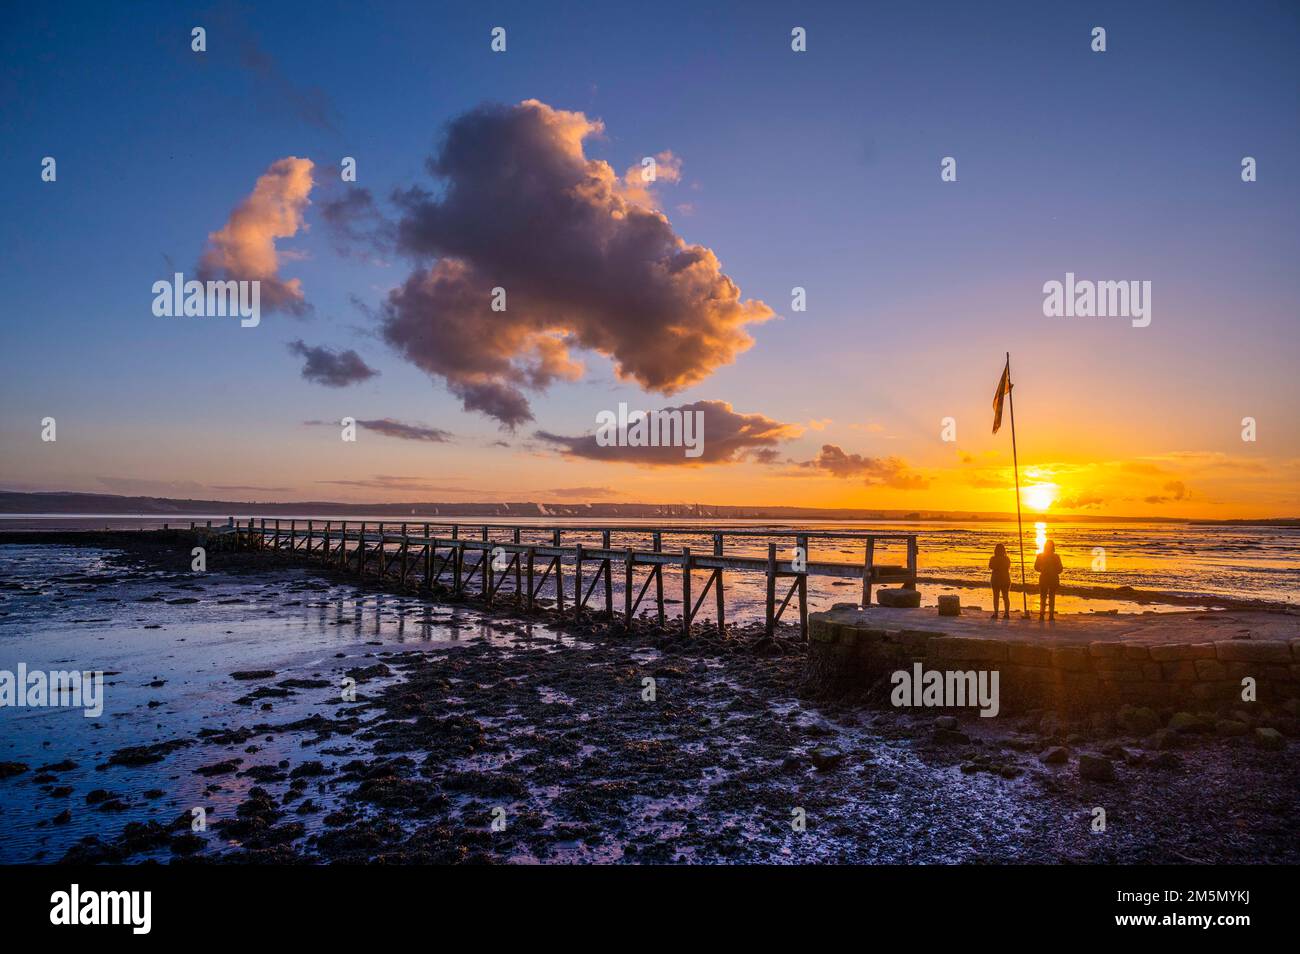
x: 1270, y: 739
x: 1230, y: 727
x: 10, y: 769
x: 1056, y: 755
x: 824, y: 759
x: 1094, y: 768
x: 1137, y: 720
x: 1167, y: 760
x: 248, y: 674
x: 899, y: 598
x: 1185, y: 722
x: 951, y: 737
x: 945, y: 722
x: 1162, y: 740
x: 1009, y: 771
x: 950, y: 605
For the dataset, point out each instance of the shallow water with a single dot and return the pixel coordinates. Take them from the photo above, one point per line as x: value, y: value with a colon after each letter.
x: 167, y: 676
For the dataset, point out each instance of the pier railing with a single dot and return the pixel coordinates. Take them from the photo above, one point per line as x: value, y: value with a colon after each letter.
x: 499, y: 561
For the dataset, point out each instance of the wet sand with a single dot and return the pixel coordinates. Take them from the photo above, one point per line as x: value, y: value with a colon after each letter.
x: 462, y: 719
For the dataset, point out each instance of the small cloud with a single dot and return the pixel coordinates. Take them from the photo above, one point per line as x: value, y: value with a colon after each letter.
x: 874, y: 471
x: 388, y: 482
x: 244, y: 248
x: 251, y: 488
x: 334, y: 369
x: 584, y: 492
x: 393, y: 428
x: 1081, y: 502
x: 1173, y: 490
x: 728, y: 437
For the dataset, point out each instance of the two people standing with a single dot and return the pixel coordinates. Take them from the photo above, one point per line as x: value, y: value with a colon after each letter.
x: 1048, y: 567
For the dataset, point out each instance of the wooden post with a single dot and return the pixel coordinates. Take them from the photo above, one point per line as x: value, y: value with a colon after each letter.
x: 457, y: 562
x: 405, y: 554
x: 659, y: 578
x: 293, y: 534
x: 771, y: 589
x: 803, y: 589
x: 559, y: 577
x: 518, y: 569
x: 361, y: 551
x: 309, y: 537
x: 911, y: 564
x: 627, y: 590
x: 868, y: 559
x: 485, y: 572
x: 686, y: 590
x: 261, y: 537
x: 608, y: 573
x: 532, y: 556
x: 343, y: 544
x: 428, y: 560
x: 325, y: 544
x: 717, y: 585
x: 577, y: 583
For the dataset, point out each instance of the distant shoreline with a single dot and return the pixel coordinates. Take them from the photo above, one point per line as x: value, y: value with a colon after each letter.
x: 67, y: 504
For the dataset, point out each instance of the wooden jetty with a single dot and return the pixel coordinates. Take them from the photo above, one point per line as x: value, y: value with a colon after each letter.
x: 515, y: 562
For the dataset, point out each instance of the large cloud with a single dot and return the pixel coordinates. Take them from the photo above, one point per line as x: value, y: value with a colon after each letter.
x: 728, y: 437
x: 584, y: 259
x: 244, y: 248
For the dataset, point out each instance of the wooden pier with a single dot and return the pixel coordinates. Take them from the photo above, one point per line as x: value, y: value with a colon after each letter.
x: 516, y: 562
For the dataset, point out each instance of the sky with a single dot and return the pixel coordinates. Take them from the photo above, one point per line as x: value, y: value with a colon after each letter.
x: 776, y: 170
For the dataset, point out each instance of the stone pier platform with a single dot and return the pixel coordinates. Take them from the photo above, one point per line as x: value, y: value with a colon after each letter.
x: 1082, y: 662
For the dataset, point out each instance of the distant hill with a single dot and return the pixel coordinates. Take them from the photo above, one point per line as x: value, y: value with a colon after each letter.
x: 13, y: 502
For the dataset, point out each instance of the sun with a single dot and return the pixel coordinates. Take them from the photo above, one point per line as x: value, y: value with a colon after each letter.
x: 1040, y: 496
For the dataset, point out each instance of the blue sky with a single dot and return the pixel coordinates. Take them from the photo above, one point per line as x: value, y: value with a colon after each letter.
x: 817, y: 169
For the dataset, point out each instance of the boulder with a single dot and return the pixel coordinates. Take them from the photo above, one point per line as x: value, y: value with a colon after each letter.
x: 950, y: 605
x: 1185, y: 722
x: 1230, y: 727
x: 899, y: 598
x: 1137, y: 720
x: 1056, y: 755
x: 824, y: 758
x: 953, y: 737
x: 1095, y: 768
x: 1269, y: 739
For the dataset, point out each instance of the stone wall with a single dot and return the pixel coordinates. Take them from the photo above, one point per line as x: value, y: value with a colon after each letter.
x: 851, y: 657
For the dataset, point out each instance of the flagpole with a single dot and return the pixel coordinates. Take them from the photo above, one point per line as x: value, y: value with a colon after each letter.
x: 1015, y: 463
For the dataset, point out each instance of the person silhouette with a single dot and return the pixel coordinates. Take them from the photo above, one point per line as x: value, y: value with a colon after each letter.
x: 1048, y: 566
x: 1000, y: 564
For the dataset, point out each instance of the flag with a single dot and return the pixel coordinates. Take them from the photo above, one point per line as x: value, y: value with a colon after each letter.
x: 1004, y: 388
